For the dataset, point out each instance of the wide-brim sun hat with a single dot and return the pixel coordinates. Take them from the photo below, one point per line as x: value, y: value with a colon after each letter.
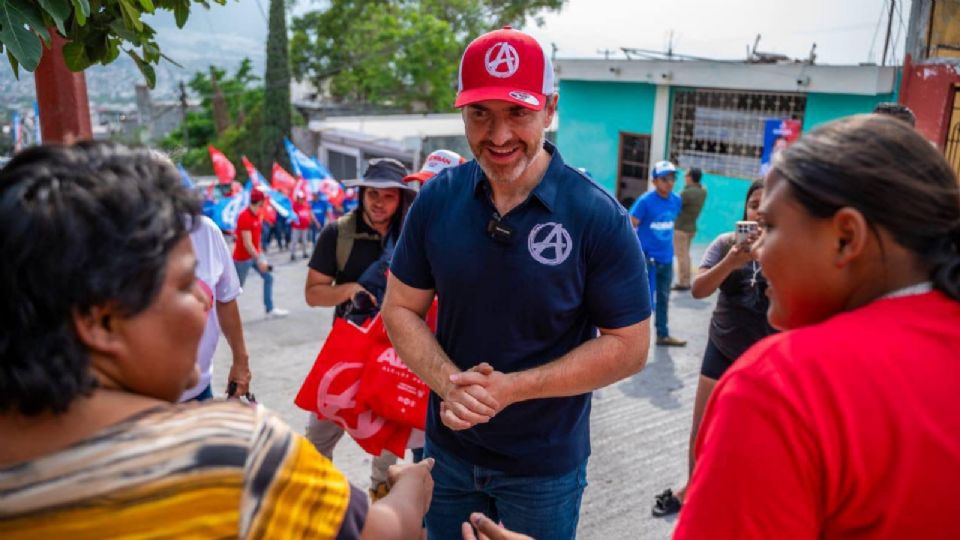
x: 382, y: 173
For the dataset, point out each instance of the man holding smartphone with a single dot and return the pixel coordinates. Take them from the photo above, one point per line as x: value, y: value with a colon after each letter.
x: 344, y: 251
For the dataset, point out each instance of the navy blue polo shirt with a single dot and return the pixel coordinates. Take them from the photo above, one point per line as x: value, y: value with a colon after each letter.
x: 573, y: 264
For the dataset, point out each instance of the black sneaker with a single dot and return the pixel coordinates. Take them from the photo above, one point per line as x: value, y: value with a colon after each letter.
x: 666, y: 504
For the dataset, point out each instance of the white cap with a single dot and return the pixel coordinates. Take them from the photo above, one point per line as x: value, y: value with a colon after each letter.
x: 663, y: 168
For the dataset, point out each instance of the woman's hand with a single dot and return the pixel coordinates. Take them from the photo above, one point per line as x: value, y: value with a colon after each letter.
x: 741, y: 252
x: 488, y: 530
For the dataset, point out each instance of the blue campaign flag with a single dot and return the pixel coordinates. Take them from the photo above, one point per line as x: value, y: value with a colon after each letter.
x: 185, y: 177
x: 16, y: 131
x: 281, y: 203
x: 226, y: 210
x: 303, y: 165
x: 38, y: 137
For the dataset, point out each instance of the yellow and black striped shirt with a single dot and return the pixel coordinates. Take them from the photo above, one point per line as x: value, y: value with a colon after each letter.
x: 199, y: 470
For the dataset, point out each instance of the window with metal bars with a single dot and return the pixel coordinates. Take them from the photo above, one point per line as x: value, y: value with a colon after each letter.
x: 721, y: 131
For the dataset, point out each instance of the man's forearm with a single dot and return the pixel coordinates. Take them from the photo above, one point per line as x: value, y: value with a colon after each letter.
x: 418, y: 347
x: 326, y: 294
x: 247, y: 238
x: 594, y: 364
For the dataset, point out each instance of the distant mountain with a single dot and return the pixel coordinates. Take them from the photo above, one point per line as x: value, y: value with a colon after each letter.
x: 222, y: 36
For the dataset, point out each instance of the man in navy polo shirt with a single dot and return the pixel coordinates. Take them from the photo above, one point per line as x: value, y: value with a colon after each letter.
x: 530, y: 259
x: 654, y: 215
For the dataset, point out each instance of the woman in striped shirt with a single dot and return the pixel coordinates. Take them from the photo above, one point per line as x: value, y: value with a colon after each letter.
x: 101, y: 318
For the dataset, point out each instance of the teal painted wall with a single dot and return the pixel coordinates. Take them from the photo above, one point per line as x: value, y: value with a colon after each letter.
x: 592, y: 115
x: 823, y: 108
x: 723, y: 208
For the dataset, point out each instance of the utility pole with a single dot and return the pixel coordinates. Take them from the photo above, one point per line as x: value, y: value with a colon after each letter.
x: 183, y: 111
x: 886, y: 41
x: 62, y: 95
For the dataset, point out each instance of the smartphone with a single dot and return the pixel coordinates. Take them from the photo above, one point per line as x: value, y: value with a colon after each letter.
x: 745, y: 229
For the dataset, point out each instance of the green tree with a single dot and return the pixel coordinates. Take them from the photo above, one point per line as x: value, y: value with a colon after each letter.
x: 400, y: 53
x: 276, y: 105
x: 244, y: 97
x: 97, y: 30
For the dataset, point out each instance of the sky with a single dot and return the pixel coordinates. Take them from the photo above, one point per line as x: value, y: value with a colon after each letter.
x: 845, y: 31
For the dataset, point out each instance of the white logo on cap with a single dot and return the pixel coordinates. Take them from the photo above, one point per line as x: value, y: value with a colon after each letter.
x: 504, y: 62
x: 529, y: 99
x: 549, y: 243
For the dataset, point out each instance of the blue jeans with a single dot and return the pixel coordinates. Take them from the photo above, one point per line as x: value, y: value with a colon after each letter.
x: 243, y: 267
x: 660, y: 276
x: 544, y: 507
x: 205, y: 395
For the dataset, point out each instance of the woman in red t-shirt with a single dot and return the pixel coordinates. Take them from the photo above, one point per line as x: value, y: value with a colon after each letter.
x: 848, y: 424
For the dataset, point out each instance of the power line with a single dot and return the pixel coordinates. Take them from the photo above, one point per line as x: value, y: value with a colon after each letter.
x: 263, y: 14
x: 871, y: 55
x: 886, y: 40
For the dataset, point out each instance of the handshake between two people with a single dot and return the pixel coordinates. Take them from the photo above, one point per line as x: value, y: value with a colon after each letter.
x: 477, y: 395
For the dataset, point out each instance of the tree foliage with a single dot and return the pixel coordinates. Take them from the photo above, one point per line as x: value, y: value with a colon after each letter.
x: 97, y: 30
x: 244, y: 97
x: 401, y: 53
x: 276, y: 106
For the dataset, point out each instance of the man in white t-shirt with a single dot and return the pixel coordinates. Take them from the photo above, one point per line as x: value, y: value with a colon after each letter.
x: 218, y: 277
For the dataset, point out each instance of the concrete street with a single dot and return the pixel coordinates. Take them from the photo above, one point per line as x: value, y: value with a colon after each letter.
x: 639, y: 426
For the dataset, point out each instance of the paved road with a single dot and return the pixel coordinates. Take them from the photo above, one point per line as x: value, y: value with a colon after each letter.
x: 639, y: 426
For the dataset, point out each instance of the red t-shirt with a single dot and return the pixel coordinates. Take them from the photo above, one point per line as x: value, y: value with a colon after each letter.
x: 303, y: 211
x: 845, y: 429
x: 247, y: 221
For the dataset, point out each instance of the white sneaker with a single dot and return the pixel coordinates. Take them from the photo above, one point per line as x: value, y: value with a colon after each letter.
x: 277, y: 313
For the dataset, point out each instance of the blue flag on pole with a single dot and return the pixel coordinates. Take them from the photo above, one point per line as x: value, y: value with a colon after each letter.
x: 38, y: 137
x: 303, y: 165
x: 281, y: 203
x: 227, y: 209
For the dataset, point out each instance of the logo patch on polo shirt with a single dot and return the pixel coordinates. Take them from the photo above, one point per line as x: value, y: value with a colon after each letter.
x: 549, y: 243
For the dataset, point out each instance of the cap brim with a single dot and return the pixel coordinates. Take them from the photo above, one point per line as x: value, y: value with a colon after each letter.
x: 377, y: 183
x: 530, y: 100
x: 421, y: 176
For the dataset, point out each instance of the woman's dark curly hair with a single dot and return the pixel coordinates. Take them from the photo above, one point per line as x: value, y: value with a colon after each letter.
x: 80, y: 226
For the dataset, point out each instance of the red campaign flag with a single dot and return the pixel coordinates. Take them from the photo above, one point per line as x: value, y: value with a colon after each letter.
x: 332, y: 191
x: 330, y: 389
x: 388, y: 387
x: 222, y: 167
x: 302, y: 188
x: 282, y: 181
x: 252, y: 173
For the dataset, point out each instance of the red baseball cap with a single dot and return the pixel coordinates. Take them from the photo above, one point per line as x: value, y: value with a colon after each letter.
x: 505, y: 65
x: 256, y: 196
